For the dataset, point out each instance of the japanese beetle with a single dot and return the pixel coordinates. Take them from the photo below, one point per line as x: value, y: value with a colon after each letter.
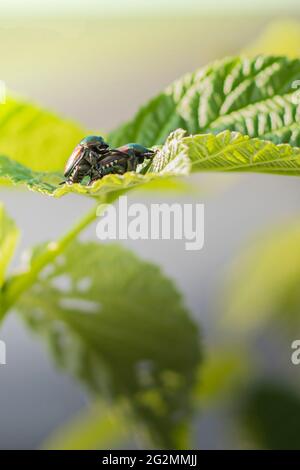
x: 92, y: 157
x: 123, y: 159
x: 84, y: 158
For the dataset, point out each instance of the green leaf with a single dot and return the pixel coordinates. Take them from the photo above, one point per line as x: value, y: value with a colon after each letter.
x: 226, y: 151
x: 255, y: 97
x: 119, y: 325
x: 17, y: 173
x: 270, y: 415
x: 35, y: 137
x: 264, y: 283
x: 252, y: 96
x: 97, y: 427
x: 9, y: 235
x: 49, y: 183
x: 223, y: 373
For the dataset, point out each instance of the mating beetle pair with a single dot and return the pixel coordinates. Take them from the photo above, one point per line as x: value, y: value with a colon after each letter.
x: 94, y: 158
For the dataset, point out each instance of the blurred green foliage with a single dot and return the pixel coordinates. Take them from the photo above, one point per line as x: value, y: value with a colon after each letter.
x: 221, y: 376
x: 98, y: 425
x: 270, y: 415
x: 119, y: 325
x: 35, y: 137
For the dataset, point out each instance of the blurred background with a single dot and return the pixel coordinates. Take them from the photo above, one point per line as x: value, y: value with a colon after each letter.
x: 97, y: 62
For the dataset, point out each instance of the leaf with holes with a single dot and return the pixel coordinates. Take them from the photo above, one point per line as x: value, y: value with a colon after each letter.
x: 9, y: 235
x: 119, y: 325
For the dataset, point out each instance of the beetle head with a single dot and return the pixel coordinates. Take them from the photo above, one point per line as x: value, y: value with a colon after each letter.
x: 94, y: 141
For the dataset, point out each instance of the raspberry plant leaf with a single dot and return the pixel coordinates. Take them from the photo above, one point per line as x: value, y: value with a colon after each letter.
x: 255, y: 97
x: 106, y: 322
x: 180, y: 155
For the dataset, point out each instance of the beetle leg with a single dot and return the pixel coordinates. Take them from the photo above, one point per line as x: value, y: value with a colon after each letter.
x: 95, y: 175
x: 80, y: 172
x: 119, y: 170
x: 91, y: 157
x: 132, y: 163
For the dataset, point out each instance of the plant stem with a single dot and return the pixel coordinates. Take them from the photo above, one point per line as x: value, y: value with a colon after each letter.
x: 18, y: 283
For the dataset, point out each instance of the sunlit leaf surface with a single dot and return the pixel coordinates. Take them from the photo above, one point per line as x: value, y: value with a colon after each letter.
x: 256, y: 97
